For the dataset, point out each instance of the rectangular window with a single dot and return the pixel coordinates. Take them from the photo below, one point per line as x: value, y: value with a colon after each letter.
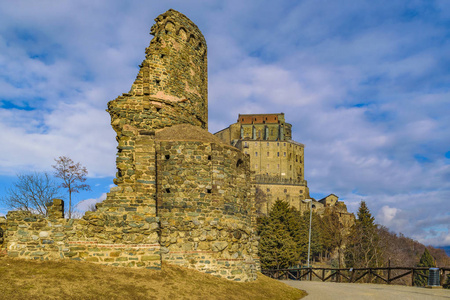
x: 278, y: 144
x: 268, y: 190
x: 278, y: 154
x: 267, y: 144
x: 278, y: 166
x: 284, y: 144
x: 267, y: 154
x: 256, y: 166
x: 301, y: 191
x: 256, y: 153
x: 284, y: 154
x: 267, y: 166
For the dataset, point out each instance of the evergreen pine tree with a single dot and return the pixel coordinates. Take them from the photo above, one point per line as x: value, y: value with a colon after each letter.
x: 426, y: 260
x: 363, y: 249
x: 277, y: 248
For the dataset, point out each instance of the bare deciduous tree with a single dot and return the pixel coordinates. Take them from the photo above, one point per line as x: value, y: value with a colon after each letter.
x: 73, y: 175
x: 32, y: 192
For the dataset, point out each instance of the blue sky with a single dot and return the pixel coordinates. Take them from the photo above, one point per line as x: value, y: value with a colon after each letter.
x: 365, y: 84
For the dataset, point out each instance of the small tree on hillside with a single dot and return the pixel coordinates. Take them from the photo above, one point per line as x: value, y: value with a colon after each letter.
x: 31, y: 192
x: 426, y: 260
x: 73, y: 175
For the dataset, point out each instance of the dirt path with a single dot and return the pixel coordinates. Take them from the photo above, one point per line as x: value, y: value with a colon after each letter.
x: 357, y: 291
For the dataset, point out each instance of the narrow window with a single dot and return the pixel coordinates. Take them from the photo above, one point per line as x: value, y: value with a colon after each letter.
x: 278, y: 154
x: 267, y: 154
x: 284, y: 154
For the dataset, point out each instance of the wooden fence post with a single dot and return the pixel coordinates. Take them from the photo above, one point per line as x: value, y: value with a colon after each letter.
x: 389, y: 272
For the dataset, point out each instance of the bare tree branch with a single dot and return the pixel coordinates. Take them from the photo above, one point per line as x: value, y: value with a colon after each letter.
x: 31, y: 192
x: 73, y: 175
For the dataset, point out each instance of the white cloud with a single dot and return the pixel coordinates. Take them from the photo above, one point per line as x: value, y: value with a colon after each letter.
x: 85, y: 205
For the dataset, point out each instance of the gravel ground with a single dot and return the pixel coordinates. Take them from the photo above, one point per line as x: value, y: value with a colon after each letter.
x: 350, y: 291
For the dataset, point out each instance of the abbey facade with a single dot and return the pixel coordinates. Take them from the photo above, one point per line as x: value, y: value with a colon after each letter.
x: 277, y: 163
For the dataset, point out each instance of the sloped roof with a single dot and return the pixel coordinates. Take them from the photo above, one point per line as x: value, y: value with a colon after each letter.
x: 187, y: 132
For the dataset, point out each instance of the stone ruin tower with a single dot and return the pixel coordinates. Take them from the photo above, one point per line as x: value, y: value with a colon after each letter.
x: 183, y: 196
x: 187, y: 184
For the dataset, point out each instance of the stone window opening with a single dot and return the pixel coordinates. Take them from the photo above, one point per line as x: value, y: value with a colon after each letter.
x: 162, y: 55
x: 167, y: 156
x: 284, y: 154
x: 208, y: 191
x: 268, y: 190
x: 209, y: 157
x: 267, y: 154
x: 158, y: 109
x: 256, y: 153
x: 167, y: 190
x: 278, y: 154
x: 157, y: 81
x: 239, y: 162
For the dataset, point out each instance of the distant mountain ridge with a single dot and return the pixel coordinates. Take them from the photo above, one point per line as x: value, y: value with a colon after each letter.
x: 446, y: 249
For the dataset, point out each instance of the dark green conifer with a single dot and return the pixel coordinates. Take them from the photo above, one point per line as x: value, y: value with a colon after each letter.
x: 426, y: 260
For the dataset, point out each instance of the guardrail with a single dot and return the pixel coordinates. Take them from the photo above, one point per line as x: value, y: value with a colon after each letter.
x: 352, y: 275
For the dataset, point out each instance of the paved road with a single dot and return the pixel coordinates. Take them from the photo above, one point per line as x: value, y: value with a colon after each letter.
x: 356, y: 291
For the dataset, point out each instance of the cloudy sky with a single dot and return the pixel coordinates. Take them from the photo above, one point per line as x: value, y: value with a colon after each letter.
x: 365, y: 84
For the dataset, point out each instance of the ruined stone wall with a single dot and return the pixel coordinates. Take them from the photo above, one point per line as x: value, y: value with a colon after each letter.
x: 205, y: 209
x: 182, y: 195
x: 171, y: 88
x: 97, y: 237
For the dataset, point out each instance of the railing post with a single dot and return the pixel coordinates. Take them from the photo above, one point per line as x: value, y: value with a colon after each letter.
x: 310, y: 274
x: 412, y: 277
x: 389, y: 272
x: 323, y: 275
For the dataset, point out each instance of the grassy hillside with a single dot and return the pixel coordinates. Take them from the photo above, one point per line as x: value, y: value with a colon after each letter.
x: 21, y: 279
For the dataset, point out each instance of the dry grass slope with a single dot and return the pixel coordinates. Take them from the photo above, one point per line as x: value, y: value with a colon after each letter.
x: 22, y: 279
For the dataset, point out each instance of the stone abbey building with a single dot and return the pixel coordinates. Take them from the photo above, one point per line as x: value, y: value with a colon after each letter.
x: 276, y: 160
x: 277, y: 163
